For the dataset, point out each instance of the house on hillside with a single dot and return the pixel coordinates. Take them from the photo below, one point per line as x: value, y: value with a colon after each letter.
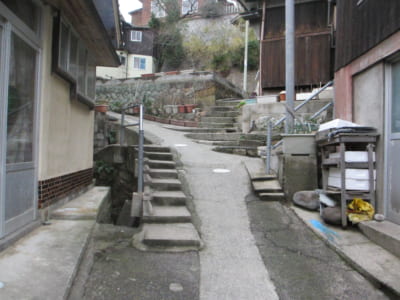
x: 367, y: 85
x: 137, y: 54
x: 49, y: 53
x: 142, y: 16
x: 314, y: 29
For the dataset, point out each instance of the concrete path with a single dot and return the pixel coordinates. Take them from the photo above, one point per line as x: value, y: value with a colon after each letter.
x: 42, y: 265
x: 231, y: 265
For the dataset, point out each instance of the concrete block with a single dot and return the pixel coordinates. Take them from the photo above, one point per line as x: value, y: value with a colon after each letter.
x: 386, y: 234
x: 85, y: 207
x: 299, y: 173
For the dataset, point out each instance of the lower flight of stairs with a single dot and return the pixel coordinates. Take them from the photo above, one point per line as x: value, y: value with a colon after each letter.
x: 167, y: 223
x: 266, y: 186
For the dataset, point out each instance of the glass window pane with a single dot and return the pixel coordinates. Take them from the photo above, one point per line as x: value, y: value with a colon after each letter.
x: 81, y: 69
x: 91, y: 81
x: 26, y: 10
x: 73, y: 56
x: 396, y: 98
x: 64, y: 41
x: 21, y: 94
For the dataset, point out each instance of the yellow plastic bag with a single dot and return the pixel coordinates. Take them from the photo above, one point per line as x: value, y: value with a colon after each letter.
x: 359, y: 210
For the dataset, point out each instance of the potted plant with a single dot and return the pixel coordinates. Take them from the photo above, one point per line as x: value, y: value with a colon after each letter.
x: 189, y: 107
x: 101, y: 106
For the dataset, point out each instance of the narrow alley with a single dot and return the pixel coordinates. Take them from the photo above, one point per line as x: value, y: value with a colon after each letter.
x: 252, y: 249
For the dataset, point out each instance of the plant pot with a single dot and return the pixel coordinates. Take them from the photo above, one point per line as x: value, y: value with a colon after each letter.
x: 148, y: 75
x: 181, y: 109
x: 282, y: 96
x: 189, y: 107
x: 103, y: 108
x: 172, y: 73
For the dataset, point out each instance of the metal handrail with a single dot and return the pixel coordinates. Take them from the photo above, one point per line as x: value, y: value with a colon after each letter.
x: 271, y: 126
x: 140, y: 163
x: 312, y: 96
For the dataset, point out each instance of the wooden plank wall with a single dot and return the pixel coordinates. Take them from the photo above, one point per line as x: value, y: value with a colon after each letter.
x: 313, y: 45
x: 361, y: 27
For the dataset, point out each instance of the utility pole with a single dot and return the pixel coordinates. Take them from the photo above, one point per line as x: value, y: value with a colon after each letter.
x: 290, y: 64
x: 246, y: 51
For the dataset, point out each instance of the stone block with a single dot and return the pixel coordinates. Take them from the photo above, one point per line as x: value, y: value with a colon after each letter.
x: 306, y: 199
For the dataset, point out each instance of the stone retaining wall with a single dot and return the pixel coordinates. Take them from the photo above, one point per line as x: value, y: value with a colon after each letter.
x: 187, y: 87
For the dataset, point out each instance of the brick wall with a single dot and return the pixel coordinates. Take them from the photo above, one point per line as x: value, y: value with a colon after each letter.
x: 53, y: 189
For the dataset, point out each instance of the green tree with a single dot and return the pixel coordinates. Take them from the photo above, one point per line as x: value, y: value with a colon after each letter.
x: 169, y: 45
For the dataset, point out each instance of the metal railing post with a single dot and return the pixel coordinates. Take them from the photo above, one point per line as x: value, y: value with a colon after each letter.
x: 269, y: 148
x: 122, y: 128
x: 140, y: 157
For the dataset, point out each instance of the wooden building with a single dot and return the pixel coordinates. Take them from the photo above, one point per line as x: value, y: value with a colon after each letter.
x: 314, y: 41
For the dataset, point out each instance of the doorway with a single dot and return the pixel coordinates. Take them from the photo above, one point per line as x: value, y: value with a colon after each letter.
x: 19, y: 61
x: 392, y: 198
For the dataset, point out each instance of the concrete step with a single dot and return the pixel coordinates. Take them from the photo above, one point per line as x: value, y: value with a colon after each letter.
x: 232, y: 114
x: 194, y: 129
x: 217, y: 120
x: 168, y: 198
x: 85, y: 207
x: 160, y: 164
x: 238, y: 150
x: 155, y: 148
x: 251, y: 143
x: 158, y: 155
x: 228, y: 102
x: 386, y: 234
x: 223, y: 108
x: 272, y: 196
x: 171, y: 235
x: 218, y: 143
x: 163, y: 173
x: 217, y: 125
x: 267, y: 186
x: 44, y: 263
x: 214, y: 136
x: 165, y: 184
x: 168, y: 214
x: 256, y: 170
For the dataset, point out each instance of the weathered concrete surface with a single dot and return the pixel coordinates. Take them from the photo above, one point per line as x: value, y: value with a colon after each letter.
x: 368, y: 258
x: 385, y: 234
x: 300, y: 264
x: 42, y: 265
x: 231, y: 266
x: 116, y: 270
x: 85, y: 207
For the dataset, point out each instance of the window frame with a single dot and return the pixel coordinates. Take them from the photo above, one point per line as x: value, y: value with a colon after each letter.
x: 137, y: 38
x: 76, y: 91
x: 140, y: 61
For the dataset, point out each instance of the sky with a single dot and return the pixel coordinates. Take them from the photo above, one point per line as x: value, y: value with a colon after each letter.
x: 126, y: 6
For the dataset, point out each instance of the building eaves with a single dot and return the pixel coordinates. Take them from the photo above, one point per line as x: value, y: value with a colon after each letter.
x: 85, y: 19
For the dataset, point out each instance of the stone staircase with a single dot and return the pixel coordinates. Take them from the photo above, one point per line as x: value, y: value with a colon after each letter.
x: 167, y: 223
x: 266, y: 186
x: 222, y: 117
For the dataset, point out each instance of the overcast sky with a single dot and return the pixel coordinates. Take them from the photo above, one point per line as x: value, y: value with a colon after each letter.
x: 126, y: 6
